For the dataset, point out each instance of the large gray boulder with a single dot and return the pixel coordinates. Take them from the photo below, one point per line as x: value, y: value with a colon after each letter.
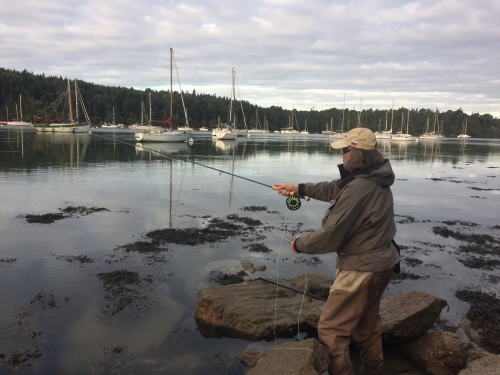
x: 410, y: 315
x: 306, y: 357
x: 441, y: 353
x: 248, y: 310
x: 257, y: 310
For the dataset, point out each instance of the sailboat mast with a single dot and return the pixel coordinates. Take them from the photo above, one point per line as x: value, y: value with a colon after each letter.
x: 171, y: 89
x: 232, y: 96
x: 20, y: 107
x: 359, y: 113
x: 343, y: 108
x: 150, y: 109
x: 69, y: 103
x: 392, y: 115
x: 76, y: 102
x: 408, y: 122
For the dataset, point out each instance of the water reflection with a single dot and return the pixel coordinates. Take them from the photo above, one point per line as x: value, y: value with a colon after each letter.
x: 157, y: 149
x: 170, y: 193
x: 225, y: 145
x: 64, y: 146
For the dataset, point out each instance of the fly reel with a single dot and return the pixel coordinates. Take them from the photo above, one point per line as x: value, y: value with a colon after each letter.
x: 293, y: 202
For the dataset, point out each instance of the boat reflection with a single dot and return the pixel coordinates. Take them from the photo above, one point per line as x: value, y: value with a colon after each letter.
x: 62, y: 138
x: 58, y: 143
x: 225, y: 145
x: 158, y: 149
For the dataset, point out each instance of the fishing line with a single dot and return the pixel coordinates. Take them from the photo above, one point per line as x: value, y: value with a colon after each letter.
x: 277, y: 269
x: 181, y: 159
x: 292, y: 201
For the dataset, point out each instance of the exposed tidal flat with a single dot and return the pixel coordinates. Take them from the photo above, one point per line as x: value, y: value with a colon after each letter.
x: 110, y: 284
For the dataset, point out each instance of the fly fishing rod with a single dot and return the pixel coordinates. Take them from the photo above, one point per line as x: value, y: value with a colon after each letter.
x: 292, y: 289
x: 292, y: 201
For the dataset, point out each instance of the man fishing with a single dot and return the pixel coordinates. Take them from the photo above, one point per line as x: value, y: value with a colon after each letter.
x: 359, y: 226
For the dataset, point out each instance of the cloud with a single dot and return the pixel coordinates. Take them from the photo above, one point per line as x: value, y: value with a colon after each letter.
x: 429, y: 53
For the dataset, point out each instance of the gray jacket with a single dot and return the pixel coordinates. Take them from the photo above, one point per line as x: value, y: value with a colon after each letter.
x: 359, y: 224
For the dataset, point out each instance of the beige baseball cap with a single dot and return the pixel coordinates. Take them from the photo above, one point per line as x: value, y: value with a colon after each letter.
x: 362, y: 138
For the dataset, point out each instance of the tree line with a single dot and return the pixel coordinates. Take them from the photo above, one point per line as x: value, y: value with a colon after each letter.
x: 38, y: 92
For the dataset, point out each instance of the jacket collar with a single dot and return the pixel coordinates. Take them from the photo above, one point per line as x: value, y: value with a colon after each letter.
x: 346, y: 176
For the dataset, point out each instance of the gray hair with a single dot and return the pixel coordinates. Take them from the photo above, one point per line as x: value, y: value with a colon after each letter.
x: 364, y: 159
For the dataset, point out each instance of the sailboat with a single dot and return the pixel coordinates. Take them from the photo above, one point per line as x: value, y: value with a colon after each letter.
x: 289, y: 129
x: 224, y: 132
x: 339, y: 134
x: 161, y: 134
x: 112, y: 125
x: 227, y: 131
x: 464, y: 131
x: 305, y: 131
x: 435, y: 134
x: 257, y: 128
x: 72, y: 124
x: 384, y: 134
x: 243, y: 132
x: 400, y: 136
x: 19, y: 120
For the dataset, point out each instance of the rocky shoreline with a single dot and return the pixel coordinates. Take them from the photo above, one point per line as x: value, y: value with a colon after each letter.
x: 259, y: 311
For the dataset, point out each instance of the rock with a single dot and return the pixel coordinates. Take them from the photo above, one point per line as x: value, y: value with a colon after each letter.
x: 472, y: 333
x: 255, y: 351
x: 306, y: 357
x: 260, y: 268
x: 410, y: 315
x: 247, y: 310
x: 441, y: 353
x: 247, y: 266
x: 489, y: 365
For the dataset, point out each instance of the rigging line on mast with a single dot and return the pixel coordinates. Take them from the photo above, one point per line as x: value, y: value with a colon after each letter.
x: 241, y: 102
x: 180, y: 89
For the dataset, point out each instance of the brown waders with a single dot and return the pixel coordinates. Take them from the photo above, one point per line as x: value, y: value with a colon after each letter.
x: 353, y: 309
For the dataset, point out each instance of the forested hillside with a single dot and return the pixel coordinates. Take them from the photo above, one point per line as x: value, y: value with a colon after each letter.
x: 39, y: 91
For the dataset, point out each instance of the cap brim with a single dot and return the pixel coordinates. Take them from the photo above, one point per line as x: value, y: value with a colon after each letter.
x: 340, y: 144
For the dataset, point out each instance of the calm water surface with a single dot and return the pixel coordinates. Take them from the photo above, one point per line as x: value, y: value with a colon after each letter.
x: 56, y: 310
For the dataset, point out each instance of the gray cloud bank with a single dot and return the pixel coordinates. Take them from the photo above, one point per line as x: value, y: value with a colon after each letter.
x: 421, y: 54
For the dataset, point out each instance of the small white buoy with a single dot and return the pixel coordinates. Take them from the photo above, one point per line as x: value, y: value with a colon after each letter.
x: 190, y: 140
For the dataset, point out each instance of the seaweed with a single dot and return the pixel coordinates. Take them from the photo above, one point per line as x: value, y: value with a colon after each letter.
x: 484, y: 315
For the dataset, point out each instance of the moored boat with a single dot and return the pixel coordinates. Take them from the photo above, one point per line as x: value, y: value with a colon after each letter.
x: 70, y: 125
x: 160, y: 134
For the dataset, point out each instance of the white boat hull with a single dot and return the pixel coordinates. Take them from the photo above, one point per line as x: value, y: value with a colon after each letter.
x: 241, y: 133
x: 338, y: 135
x: 431, y: 136
x: 64, y: 128
x: 19, y: 123
x: 404, y: 139
x: 225, y: 134
x: 168, y: 136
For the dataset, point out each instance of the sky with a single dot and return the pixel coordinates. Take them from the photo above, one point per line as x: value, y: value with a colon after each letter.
x: 441, y: 54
